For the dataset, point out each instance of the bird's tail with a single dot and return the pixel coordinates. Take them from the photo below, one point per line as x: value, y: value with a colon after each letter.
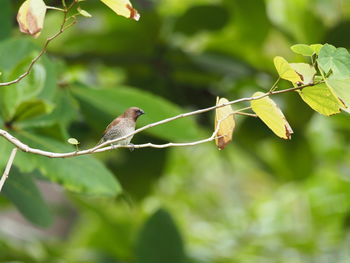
x: 101, y: 141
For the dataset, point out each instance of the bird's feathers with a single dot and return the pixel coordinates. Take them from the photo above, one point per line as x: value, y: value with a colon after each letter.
x: 122, y: 126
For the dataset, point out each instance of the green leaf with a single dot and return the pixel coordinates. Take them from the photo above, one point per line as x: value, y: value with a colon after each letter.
x: 196, y: 20
x: 27, y: 89
x: 303, y: 49
x: 316, y: 48
x: 16, y: 55
x: 285, y: 71
x: 160, y: 241
x: 335, y: 59
x: 31, y: 108
x: 82, y: 174
x: 271, y: 115
x: 64, y: 112
x: 321, y: 99
x: 113, y: 102
x: 5, y: 19
x: 22, y: 191
x: 341, y: 88
x: 13, y: 51
x: 73, y: 141
x: 305, y: 71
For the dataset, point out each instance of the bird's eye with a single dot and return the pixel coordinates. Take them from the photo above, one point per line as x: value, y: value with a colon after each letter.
x: 140, y: 112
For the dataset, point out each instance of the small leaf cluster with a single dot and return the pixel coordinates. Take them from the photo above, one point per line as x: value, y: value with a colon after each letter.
x: 323, y: 84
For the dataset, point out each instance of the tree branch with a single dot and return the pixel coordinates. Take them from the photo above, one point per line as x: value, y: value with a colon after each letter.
x: 63, y: 28
x: 8, y: 167
x: 106, y: 145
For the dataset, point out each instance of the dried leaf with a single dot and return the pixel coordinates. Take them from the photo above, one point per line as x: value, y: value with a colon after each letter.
x: 224, y: 117
x: 31, y: 17
x: 123, y: 8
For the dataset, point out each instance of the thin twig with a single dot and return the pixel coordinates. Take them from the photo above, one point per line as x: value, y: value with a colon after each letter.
x: 247, y: 114
x: 274, y: 86
x: 55, y: 8
x: 106, y: 145
x: 46, y: 44
x: 8, y: 167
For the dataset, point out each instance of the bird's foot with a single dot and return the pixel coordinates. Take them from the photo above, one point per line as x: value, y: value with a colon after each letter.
x: 132, y: 147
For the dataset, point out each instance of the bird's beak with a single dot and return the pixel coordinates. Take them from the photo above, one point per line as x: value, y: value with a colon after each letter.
x: 140, y: 112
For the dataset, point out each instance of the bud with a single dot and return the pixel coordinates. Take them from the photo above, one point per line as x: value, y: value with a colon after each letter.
x: 31, y: 17
x: 123, y: 8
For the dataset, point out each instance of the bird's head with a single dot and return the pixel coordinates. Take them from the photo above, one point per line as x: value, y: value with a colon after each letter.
x: 133, y: 113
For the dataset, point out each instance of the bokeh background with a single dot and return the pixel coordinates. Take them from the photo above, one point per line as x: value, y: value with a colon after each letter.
x: 261, y: 199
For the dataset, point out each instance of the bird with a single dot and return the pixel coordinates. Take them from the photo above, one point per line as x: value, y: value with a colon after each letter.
x: 121, y: 126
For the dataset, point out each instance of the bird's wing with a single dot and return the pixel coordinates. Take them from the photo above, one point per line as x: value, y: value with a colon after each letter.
x: 113, y: 123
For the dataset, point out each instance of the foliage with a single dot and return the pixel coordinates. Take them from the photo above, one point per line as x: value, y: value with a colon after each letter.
x: 261, y: 199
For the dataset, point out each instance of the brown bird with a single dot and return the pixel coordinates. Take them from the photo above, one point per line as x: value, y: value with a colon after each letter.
x: 121, y: 126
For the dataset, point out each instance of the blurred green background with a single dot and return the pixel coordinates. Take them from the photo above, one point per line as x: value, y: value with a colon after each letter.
x: 261, y: 199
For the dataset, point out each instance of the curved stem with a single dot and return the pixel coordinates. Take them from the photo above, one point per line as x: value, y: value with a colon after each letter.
x: 63, y: 28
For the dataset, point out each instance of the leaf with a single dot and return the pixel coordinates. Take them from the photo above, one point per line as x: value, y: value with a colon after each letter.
x: 73, y: 141
x: 102, y: 105
x: 321, y: 99
x: 285, y: 71
x: 225, y: 116
x: 123, y: 8
x: 341, y: 88
x: 271, y: 115
x: 65, y: 111
x: 316, y: 48
x: 14, y: 51
x: 31, y: 17
x: 335, y: 59
x: 83, y: 12
x: 27, y: 89
x: 159, y: 241
x: 23, y: 193
x: 195, y: 19
x: 5, y: 19
x: 82, y: 174
x: 305, y: 71
x: 31, y: 108
x: 16, y: 55
x: 302, y: 49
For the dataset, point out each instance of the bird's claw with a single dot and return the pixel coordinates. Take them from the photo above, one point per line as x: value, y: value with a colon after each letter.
x: 132, y: 147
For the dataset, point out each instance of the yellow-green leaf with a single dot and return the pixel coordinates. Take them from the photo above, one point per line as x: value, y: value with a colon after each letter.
x: 285, y: 71
x: 31, y: 17
x: 341, y: 88
x: 321, y: 99
x: 271, y: 115
x: 84, y: 12
x: 123, y: 8
x: 306, y: 72
x: 316, y: 48
x: 302, y: 49
x: 224, y: 117
x: 73, y: 141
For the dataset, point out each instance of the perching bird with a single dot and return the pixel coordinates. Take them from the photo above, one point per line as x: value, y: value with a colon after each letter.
x: 121, y: 126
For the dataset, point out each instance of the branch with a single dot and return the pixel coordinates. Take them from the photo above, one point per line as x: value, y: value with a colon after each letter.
x: 63, y: 28
x: 106, y: 145
x: 8, y: 167
x: 199, y: 112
